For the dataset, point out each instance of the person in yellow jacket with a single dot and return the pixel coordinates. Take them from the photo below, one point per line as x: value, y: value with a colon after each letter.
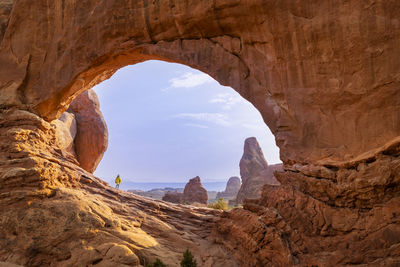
x: 118, y: 180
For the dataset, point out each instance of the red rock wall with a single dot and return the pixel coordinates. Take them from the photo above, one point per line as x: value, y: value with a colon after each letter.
x: 317, y: 71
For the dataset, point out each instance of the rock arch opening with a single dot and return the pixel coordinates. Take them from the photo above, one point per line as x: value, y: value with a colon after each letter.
x: 166, y: 123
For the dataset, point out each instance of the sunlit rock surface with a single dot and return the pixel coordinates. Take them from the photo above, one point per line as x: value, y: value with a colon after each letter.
x: 324, y: 76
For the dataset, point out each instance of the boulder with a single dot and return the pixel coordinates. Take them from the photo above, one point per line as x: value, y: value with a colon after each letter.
x: 91, y: 135
x: 194, y: 192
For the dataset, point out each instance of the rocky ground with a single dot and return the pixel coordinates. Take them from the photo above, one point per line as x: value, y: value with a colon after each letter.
x: 54, y: 213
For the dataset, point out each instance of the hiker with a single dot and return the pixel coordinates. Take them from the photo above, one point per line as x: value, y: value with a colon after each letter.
x: 117, y: 181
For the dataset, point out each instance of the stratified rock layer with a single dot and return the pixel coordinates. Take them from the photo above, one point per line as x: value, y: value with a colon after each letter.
x: 293, y: 225
x: 255, y: 171
x: 323, y: 74
x: 231, y: 190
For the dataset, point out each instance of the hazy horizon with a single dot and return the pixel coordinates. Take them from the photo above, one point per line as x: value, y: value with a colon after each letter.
x: 169, y: 123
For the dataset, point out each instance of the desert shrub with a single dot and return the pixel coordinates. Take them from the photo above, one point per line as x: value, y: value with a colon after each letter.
x: 220, y: 204
x: 157, y: 263
x: 188, y: 259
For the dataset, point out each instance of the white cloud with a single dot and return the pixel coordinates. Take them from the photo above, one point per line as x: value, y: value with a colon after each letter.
x: 196, y: 125
x: 216, y: 118
x: 189, y: 80
x: 227, y: 100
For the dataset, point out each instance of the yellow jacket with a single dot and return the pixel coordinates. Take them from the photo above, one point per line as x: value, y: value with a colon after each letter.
x: 118, y: 180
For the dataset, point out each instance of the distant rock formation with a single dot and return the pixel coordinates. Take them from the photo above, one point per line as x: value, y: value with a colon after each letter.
x: 91, y: 132
x: 255, y: 171
x: 194, y: 192
x: 231, y: 190
x: 173, y: 197
x: 156, y: 193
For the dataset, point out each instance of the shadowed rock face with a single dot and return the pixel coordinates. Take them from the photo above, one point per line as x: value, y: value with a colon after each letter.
x: 255, y: 171
x: 231, y: 190
x: 324, y: 76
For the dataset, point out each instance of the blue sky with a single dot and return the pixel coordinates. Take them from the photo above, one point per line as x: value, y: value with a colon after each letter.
x: 168, y: 123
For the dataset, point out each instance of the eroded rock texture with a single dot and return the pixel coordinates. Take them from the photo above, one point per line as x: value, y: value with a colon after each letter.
x: 231, y: 190
x: 255, y: 171
x: 323, y: 74
x: 288, y: 227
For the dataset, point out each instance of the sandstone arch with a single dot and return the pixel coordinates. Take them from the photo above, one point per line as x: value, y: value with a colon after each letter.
x: 324, y: 75
x: 67, y: 47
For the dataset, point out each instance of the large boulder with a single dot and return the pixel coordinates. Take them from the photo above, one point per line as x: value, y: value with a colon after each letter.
x: 255, y: 171
x: 91, y: 135
x: 194, y: 192
x: 231, y: 190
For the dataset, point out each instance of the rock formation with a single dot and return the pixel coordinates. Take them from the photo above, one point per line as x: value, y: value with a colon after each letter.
x: 92, y: 135
x: 62, y: 215
x: 173, y: 197
x: 255, y: 171
x: 231, y: 190
x: 324, y: 76
x: 82, y: 132
x: 194, y: 192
